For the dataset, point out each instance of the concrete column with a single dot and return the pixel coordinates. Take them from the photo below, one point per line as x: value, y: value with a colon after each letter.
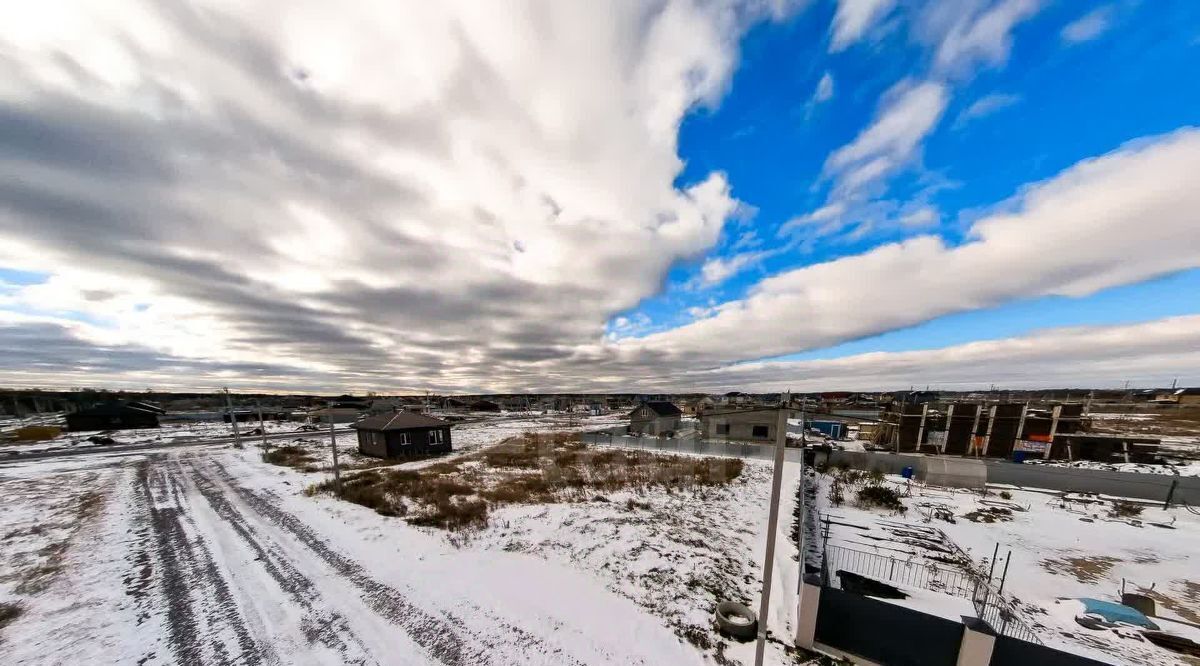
x: 806, y: 611
x: 921, y: 430
x: 987, y: 438
x: 978, y: 641
x: 949, y: 420
x: 1054, y: 416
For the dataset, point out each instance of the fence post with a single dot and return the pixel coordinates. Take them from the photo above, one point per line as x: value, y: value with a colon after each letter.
x: 807, y: 606
x: 1170, y: 493
x: 978, y: 641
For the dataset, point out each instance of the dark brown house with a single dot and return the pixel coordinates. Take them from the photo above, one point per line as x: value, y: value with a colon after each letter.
x: 401, y: 434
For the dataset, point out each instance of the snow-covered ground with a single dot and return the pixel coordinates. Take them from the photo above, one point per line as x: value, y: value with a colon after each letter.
x: 1062, y: 547
x: 210, y: 555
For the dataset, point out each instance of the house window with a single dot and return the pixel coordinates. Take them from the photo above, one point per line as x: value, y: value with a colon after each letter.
x: 435, y: 436
x: 404, y: 440
x: 379, y: 439
x: 722, y: 428
x: 760, y: 431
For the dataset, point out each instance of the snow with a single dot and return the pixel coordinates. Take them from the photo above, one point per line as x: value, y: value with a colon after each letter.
x: 260, y: 571
x: 1063, y: 546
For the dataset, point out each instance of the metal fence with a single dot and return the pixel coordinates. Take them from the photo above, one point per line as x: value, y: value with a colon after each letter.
x: 990, y: 605
x: 906, y: 571
x: 691, y: 446
x: 1001, y: 615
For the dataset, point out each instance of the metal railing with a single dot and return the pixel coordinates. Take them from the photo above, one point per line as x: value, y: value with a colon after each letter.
x: 908, y: 571
x: 990, y: 605
x: 1001, y: 615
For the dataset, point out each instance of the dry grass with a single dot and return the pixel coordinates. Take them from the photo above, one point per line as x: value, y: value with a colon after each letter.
x: 1084, y: 569
x: 1186, y: 605
x: 9, y: 612
x: 456, y: 494
x: 52, y: 556
x: 296, y: 457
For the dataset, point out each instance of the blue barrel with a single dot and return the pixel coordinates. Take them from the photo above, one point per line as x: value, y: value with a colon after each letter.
x: 1019, y: 456
x: 906, y: 472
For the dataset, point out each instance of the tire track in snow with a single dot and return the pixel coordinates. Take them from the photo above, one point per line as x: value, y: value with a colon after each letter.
x: 430, y: 631
x: 318, y: 625
x: 186, y: 566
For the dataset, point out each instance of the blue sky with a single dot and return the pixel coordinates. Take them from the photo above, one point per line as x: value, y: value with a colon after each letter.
x: 1056, y: 103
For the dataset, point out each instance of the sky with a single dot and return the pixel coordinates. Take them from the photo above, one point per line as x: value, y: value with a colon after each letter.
x: 650, y: 196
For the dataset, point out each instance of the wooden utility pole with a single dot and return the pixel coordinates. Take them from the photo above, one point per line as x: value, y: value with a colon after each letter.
x: 337, y: 473
x: 237, y: 436
x: 262, y: 425
x: 764, y: 606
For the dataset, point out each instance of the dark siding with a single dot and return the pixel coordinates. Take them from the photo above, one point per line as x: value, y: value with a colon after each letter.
x: 1012, y: 652
x: 886, y: 633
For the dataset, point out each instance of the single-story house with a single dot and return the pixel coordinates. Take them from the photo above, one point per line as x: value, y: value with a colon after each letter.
x: 400, y: 434
x: 655, y: 417
x: 115, y: 416
x: 747, y: 425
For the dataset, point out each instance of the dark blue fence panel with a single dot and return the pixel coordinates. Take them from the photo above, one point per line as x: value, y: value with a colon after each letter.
x: 1015, y: 652
x: 886, y: 633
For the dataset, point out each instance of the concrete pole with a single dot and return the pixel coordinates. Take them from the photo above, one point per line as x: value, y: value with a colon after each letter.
x: 764, y: 606
x: 237, y: 436
x: 337, y: 473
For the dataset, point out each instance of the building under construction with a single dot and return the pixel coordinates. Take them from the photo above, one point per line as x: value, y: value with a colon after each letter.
x: 1005, y: 430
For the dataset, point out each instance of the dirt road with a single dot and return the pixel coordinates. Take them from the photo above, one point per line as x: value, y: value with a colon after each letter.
x: 214, y: 572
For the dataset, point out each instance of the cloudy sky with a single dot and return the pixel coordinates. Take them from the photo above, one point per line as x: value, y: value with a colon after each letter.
x: 642, y: 195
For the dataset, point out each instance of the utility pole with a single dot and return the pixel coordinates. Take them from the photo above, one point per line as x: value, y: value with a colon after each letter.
x: 337, y: 474
x: 237, y: 436
x: 764, y: 606
x: 262, y: 425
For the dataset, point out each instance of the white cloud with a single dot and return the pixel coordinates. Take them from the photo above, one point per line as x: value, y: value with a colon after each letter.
x: 922, y: 216
x: 854, y: 18
x: 970, y: 33
x: 1089, y: 26
x: 719, y: 269
x: 824, y: 91
x: 907, y: 114
x: 1150, y: 353
x: 1121, y: 218
x: 986, y: 106
x: 427, y: 196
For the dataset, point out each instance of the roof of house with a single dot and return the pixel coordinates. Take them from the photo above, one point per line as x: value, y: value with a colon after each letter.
x: 663, y: 408
x: 398, y: 421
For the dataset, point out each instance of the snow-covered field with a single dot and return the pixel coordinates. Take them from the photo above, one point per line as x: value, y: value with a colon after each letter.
x: 210, y: 555
x: 1062, y: 547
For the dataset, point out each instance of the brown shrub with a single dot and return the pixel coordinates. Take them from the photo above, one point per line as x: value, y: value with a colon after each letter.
x: 296, y: 457
x: 9, y: 612
x: 454, y: 515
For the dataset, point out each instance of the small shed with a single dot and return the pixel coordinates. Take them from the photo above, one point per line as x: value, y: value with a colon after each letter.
x: 401, y: 434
